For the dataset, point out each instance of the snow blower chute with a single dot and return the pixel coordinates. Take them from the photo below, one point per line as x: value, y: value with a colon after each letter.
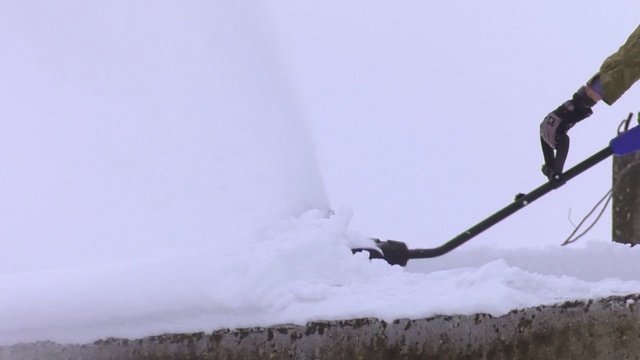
x: 397, y: 252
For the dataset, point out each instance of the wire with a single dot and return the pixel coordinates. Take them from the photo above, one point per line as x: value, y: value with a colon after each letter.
x: 570, y: 239
x: 606, y: 199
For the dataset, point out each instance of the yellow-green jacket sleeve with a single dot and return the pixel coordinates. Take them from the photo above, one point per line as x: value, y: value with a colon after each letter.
x: 620, y: 70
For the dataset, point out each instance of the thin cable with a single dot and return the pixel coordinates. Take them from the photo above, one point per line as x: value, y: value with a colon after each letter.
x: 570, y: 239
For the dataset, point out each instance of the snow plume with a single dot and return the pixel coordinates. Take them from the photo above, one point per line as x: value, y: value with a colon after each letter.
x: 140, y: 130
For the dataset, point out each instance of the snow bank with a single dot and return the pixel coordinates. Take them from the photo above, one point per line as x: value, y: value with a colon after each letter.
x: 297, y: 270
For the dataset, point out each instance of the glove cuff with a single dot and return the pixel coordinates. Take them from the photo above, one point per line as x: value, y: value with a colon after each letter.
x: 586, y: 97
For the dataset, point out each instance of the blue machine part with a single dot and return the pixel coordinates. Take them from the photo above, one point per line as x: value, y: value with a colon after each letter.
x: 627, y: 142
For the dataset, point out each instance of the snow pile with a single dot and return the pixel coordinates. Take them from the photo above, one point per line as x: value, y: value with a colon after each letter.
x: 292, y: 272
x: 230, y: 284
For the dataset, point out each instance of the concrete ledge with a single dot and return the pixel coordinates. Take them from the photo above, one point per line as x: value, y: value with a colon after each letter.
x: 602, y: 329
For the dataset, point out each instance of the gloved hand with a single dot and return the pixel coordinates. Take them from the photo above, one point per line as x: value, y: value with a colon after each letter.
x: 554, y: 128
x: 559, y: 121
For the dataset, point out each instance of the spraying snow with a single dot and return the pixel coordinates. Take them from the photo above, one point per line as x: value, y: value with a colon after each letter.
x: 132, y: 131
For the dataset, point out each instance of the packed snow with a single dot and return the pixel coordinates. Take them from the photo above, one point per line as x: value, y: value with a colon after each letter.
x: 157, y: 177
x: 297, y: 270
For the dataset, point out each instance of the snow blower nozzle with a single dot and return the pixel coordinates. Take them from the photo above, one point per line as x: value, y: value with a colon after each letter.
x: 393, y: 252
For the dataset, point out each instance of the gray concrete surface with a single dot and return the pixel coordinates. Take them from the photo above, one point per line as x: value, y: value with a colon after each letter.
x: 625, y: 205
x: 603, y: 329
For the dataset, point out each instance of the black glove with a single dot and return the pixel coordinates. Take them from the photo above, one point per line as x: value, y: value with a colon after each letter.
x: 554, y: 128
x: 560, y: 120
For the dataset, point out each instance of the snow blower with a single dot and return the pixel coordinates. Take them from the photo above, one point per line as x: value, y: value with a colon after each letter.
x: 397, y: 252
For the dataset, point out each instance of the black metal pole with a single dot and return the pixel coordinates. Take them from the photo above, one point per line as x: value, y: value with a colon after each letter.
x: 510, y: 209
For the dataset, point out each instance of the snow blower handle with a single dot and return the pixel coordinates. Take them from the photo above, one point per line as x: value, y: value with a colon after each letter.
x: 397, y: 253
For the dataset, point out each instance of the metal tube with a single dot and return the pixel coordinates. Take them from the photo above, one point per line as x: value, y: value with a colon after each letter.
x: 511, y: 208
